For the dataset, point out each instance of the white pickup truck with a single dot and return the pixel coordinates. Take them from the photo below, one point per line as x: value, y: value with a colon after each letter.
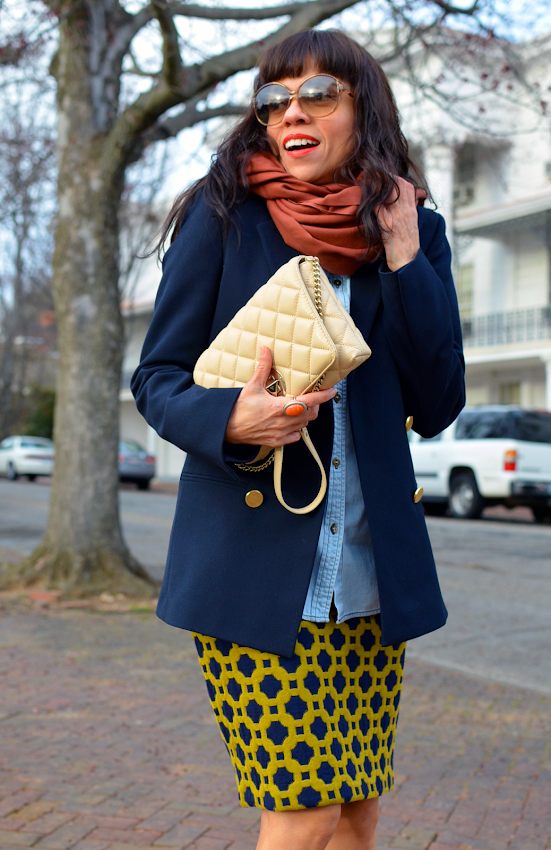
x: 491, y: 455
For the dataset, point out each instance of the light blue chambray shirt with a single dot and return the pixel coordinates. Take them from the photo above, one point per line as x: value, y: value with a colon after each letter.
x: 344, y: 567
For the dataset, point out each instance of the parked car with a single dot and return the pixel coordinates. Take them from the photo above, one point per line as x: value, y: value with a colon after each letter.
x: 30, y: 456
x: 135, y: 464
x: 491, y: 455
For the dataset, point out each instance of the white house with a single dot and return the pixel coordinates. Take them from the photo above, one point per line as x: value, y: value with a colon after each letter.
x: 493, y: 186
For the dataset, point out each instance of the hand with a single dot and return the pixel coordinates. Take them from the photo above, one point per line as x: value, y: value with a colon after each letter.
x: 399, y: 226
x: 257, y: 417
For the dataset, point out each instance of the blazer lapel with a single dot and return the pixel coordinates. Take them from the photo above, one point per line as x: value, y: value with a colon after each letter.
x: 277, y: 252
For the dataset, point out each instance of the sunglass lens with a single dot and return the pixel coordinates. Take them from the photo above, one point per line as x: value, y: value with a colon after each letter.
x: 319, y: 95
x: 271, y: 102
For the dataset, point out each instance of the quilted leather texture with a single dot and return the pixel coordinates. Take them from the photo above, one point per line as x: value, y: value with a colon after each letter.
x: 282, y: 315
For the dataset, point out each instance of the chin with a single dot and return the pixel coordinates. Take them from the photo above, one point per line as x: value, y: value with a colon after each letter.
x: 306, y: 173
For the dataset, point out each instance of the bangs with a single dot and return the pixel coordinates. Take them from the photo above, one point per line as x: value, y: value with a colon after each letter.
x: 328, y: 51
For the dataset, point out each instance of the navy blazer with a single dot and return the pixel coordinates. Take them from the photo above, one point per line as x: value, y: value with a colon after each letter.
x: 242, y: 573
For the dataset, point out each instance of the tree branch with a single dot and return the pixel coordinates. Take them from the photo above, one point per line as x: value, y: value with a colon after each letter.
x: 219, y: 68
x: 194, y: 10
x: 139, y: 72
x: 123, y: 36
x: 449, y: 9
x: 188, y: 117
x: 172, y: 59
x: 141, y: 115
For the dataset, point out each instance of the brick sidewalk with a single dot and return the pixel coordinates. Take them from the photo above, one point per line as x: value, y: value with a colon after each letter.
x: 108, y: 743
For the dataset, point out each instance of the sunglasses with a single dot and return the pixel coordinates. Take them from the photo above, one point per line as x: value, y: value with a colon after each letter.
x: 318, y: 96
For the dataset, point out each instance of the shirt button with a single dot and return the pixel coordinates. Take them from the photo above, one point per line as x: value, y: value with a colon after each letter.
x: 336, y: 462
x: 337, y: 282
x: 334, y: 528
x: 337, y: 398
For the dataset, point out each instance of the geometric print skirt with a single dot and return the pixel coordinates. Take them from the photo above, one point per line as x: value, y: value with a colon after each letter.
x: 311, y: 730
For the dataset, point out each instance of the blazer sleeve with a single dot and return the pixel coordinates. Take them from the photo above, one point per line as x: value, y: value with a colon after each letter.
x: 187, y: 415
x: 422, y: 323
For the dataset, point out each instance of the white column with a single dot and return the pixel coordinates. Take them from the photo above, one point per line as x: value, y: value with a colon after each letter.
x: 439, y: 161
x: 547, y: 363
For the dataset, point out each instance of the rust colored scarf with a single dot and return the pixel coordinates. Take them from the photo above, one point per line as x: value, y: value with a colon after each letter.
x: 315, y: 220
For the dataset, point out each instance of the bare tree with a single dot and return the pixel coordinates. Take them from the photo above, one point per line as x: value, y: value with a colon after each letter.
x: 27, y: 191
x: 105, y: 123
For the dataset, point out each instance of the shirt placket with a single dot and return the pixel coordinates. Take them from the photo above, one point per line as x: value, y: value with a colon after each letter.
x: 333, y: 521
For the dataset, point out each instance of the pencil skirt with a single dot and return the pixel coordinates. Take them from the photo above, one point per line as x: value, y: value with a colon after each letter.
x: 312, y: 730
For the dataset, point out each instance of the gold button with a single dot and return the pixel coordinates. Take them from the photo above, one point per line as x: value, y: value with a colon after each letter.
x: 334, y: 528
x: 337, y: 398
x: 254, y: 498
x: 409, y: 423
x: 336, y: 462
x: 418, y: 495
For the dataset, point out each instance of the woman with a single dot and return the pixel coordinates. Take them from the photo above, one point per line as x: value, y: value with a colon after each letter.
x: 301, y: 621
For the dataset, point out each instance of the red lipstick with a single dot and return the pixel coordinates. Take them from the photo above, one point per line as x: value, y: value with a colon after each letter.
x: 300, y: 151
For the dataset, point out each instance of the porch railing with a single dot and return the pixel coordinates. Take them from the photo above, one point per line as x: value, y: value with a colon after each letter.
x: 507, y: 328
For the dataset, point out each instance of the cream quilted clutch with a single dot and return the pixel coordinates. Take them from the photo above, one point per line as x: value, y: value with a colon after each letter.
x: 313, y: 340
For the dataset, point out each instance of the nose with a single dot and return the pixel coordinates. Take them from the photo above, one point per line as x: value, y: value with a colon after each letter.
x: 294, y: 113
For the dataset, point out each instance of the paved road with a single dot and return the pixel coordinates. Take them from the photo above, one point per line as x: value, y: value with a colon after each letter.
x: 496, y: 578
x: 146, y: 517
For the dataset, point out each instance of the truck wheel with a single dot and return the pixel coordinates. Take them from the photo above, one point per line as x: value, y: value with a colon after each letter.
x: 542, y: 514
x: 465, y: 499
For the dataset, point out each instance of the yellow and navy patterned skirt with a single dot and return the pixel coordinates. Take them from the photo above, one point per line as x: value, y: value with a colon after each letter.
x: 314, y: 729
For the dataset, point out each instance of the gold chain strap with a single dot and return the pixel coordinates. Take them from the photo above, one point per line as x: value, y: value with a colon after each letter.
x: 317, y: 285
x: 317, y: 302
x: 248, y: 468
x: 319, y: 307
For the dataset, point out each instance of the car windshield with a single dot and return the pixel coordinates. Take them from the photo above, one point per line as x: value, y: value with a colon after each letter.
x: 130, y: 446
x: 36, y: 443
x: 483, y: 425
x: 533, y: 427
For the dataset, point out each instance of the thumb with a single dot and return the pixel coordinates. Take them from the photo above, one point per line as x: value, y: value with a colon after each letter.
x: 264, y: 367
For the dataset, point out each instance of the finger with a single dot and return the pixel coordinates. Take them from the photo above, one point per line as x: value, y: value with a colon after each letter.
x: 311, y: 399
x: 308, y: 416
x: 265, y: 364
x: 407, y: 190
x: 298, y: 422
x: 291, y: 437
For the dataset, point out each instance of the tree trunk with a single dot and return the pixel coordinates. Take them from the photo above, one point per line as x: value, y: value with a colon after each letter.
x: 83, y: 550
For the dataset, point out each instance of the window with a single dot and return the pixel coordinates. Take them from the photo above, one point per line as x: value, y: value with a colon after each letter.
x: 130, y: 446
x: 6, y: 444
x: 532, y: 427
x: 466, y: 164
x: 465, y: 175
x: 36, y: 443
x: 465, y: 286
x: 483, y: 425
x: 509, y: 393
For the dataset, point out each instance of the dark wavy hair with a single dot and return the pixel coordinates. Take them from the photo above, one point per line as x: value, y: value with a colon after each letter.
x: 380, y: 151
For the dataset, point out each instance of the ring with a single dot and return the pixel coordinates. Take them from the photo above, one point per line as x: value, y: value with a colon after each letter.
x: 295, y: 408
